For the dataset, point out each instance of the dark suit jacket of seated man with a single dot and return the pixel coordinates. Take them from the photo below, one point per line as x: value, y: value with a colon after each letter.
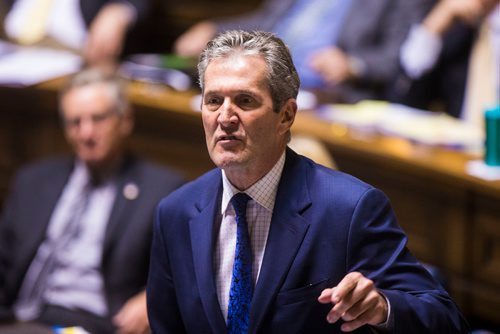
x: 328, y: 254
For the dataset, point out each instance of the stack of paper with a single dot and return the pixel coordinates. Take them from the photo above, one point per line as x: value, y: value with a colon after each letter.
x: 24, y: 66
x: 425, y: 127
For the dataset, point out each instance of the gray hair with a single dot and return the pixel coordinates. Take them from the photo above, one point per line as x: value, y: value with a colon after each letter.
x: 116, y: 85
x: 282, y: 76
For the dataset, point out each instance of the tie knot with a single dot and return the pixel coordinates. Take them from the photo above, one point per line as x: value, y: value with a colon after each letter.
x: 239, y: 202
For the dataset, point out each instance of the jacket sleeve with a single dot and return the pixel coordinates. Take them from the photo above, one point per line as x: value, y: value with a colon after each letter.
x: 7, y: 245
x: 377, y: 249
x: 380, y: 55
x: 142, y: 7
x: 262, y: 18
x: 163, y: 308
x: 90, y: 8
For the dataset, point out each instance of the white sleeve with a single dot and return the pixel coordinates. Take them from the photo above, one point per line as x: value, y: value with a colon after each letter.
x: 420, y: 51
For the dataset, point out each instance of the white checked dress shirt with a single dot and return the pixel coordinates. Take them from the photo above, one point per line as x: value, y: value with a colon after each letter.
x: 259, y: 214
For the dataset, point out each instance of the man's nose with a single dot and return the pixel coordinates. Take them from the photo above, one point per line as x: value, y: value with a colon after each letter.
x: 228, y: 114
x: 86, y: 128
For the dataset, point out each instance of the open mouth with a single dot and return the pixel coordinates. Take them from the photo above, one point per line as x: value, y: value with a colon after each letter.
x: 227, y: 138
x: 228, y: 141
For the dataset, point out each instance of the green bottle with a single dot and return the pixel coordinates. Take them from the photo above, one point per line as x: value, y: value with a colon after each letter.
x: 492, y: 145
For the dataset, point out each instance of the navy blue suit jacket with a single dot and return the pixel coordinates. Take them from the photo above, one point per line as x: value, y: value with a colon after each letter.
x: 325, y: 224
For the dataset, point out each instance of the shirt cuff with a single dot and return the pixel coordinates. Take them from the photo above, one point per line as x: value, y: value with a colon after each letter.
x: 388, y: 325
x: 415, y: 62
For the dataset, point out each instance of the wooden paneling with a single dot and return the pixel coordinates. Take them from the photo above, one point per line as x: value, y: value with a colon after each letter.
x: 486, y: 240
x: 485, y: 247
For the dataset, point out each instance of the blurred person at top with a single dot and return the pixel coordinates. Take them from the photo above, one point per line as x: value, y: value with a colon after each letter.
x: 98, y: 29
x: 347, y: 50
x: 461, y: 63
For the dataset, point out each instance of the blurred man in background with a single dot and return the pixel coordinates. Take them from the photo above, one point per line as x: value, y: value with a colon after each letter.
x: 456, y: 35
x: 75, y: 231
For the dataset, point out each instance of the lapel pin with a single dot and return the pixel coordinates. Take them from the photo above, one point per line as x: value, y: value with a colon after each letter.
x: 131, y: 191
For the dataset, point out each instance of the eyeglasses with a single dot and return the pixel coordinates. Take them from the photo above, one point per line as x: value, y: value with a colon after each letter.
x: 95, y: 119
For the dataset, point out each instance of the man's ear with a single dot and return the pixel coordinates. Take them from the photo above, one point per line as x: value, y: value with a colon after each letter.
x: 288, y: 111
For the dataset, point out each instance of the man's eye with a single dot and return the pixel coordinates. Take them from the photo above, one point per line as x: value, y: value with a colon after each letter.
x: 72, y: 122
x: 99, y: 118
x: 246, y: 102
x: 212, y: 103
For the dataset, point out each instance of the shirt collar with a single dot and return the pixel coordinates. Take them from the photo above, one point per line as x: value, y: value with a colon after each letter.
x: 263, y: 191
x: 80, y: 175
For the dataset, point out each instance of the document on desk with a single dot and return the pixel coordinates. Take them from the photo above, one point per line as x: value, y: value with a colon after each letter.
x: 418, y: 126
x: 25, y: 66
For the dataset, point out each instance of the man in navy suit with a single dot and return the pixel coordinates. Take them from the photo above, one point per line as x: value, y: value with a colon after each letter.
x: 327, y: 253
x: 75, y: 232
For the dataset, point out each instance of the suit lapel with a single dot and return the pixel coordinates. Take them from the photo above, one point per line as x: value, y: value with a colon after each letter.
x: 203, y: 244
x: 51, y: 192
x: 114, y: 219
x: 122, y: 205
x: 287, y: 231
x: 53, y: 188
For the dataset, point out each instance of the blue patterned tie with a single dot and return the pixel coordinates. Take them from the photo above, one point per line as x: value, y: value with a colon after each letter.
x: 240, y: 294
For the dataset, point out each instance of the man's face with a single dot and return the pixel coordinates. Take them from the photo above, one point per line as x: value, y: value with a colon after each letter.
x: 242, y: 131
x: 92, y: 126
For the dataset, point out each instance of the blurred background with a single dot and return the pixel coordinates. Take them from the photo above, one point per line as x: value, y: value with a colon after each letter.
x: 391, y: 103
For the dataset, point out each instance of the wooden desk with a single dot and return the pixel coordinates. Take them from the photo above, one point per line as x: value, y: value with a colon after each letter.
x: 452, y: 219
x: 32, y: 328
